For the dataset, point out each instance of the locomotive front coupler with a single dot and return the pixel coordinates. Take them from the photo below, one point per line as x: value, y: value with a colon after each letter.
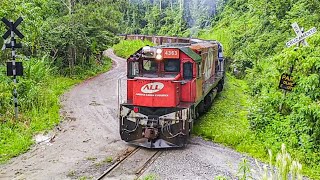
x: 151, y: 130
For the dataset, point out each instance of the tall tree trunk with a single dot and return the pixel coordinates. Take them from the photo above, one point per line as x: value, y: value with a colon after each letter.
x: 72, y: 48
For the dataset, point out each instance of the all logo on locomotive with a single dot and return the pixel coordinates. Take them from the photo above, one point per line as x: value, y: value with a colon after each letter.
x: 168, y: 87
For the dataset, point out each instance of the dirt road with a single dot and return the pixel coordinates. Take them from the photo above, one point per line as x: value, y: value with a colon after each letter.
x: 88, y: 136
x: 87, y: 142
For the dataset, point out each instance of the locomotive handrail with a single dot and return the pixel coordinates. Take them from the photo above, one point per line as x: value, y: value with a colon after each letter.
x: 182, y: 82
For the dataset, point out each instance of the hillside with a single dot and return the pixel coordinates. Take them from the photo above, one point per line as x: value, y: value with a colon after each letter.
x: 254, y: 33
x: 64, y: 43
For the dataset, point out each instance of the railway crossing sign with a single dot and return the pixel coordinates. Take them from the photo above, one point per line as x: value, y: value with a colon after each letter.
x: 299, y: 32
x: 286, y: 82
x: 301, y: 36
x: 12, y: 26
x: 13, y: 68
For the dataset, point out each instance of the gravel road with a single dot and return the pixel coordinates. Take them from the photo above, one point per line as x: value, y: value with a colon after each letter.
x: 86, y: 142
x: 82, y: 142
x: 200, y: 160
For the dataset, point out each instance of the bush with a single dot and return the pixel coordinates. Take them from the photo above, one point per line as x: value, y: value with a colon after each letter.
x: 127, y: 47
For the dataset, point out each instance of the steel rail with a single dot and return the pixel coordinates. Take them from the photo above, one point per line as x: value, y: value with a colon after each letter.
x: 115, y: 165
x: 122, y: 161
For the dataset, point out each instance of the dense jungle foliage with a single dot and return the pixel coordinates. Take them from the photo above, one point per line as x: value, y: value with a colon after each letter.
x: 254, y: 33
x: 63, y: 44
x: 182, y: 18
x: 65, y: 40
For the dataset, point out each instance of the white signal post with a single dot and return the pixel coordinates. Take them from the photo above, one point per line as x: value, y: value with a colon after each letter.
x: 12, y: 30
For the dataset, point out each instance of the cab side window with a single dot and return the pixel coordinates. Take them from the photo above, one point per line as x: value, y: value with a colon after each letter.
x: 199, y: 70
x: 133, y: 69
x: 187, y: 71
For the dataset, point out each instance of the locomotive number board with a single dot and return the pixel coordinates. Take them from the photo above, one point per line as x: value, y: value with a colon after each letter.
x: 171, y: 53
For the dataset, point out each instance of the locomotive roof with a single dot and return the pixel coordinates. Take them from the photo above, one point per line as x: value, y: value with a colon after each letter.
x: 184, y: 47
x: 189, y: 52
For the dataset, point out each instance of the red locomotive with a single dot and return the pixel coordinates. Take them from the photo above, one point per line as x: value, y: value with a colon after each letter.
x: 168, y: 87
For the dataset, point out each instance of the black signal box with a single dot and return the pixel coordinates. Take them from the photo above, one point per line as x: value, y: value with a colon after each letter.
x: 19, y: 69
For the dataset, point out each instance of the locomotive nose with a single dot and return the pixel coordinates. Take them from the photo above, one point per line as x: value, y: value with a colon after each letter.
x: 150, y: 133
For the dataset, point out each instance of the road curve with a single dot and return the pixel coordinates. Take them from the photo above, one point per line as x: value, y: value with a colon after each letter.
x: 89, y: 133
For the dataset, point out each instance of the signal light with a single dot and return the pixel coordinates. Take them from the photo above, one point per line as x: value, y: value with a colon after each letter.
x: 159, y: 51
x: 135, y: 109
x: 158, y: 57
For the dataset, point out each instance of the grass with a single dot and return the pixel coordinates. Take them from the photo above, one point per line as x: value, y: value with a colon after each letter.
x: 108, y: 159
x: 16, y: 135
x: 84, y: 178
x: 91, y: 158
x: 149, y: 177
x: 71, y: 173
x: 127, y: 47
x: 285, y: 168
x: 39, y: 110
x: 226, y: 123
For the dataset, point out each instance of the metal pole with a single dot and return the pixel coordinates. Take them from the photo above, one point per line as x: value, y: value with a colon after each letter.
x: 15, y: 93
x: 290, y: 73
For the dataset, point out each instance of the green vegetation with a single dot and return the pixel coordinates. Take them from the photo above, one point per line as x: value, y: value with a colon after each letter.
x: 91, y: 158
x: 150, y: 177
x: 254, y: 33
x: 108, y: 159
x: 71, y: 173
x: 168, y: 17
x: 39, y: 91
x: 63, y: 45
x: 285, y: 168
x: 84, y: 178
x: 65, y: 40
x: 227, y: 123
x: 125, y: 48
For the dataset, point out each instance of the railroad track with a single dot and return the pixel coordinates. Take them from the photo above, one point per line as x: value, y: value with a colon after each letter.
x: 131, y: 164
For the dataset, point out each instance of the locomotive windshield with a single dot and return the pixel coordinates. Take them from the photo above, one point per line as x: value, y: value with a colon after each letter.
x: 166, y: 67
x: 172, y: 65
x: 150, y: 66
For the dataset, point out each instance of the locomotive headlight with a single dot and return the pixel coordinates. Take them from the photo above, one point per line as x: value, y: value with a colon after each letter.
x: 146, y: 48
x: 159, y: 57
x: 159, y: 51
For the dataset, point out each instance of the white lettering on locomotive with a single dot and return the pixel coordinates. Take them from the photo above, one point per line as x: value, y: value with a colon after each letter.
x: 152, y: 87
x: 171, y: 53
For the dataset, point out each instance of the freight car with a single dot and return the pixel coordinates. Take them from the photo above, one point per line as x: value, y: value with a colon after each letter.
x: 168, y: 87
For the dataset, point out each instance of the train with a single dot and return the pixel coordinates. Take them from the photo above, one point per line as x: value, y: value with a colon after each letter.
x: 168, y: 86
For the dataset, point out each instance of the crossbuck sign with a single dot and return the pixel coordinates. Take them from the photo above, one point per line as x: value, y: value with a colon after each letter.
x: 301, y: 36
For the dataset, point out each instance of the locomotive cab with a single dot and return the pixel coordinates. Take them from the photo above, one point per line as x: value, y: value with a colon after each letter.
x: 167, y: 87
x: 154, y: 62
